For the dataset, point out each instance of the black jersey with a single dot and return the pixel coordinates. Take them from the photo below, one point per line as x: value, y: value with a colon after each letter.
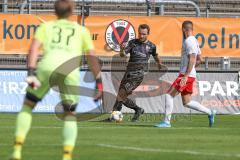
x: 139, y: 54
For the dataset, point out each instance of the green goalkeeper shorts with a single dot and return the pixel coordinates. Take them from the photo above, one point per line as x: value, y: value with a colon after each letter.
x: 66, y: 85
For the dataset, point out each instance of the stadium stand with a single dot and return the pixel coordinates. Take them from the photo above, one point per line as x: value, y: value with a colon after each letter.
x: 208, y: 8
x: 212, y: 8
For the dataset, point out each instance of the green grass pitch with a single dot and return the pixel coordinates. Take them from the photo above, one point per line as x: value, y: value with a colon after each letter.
x: 188, y: 139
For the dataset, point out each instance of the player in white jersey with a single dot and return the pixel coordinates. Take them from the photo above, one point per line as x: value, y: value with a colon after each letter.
x: 191, y: 58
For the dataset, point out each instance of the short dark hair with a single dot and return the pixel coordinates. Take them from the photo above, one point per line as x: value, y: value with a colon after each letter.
x: 64, y: 8
x: 186, y: 23
x: 144, y: 26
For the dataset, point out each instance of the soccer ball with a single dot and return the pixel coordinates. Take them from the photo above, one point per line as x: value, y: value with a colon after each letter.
x: 116, y: 116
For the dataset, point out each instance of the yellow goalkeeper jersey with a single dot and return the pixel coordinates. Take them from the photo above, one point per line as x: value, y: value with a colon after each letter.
x: 62, y: 40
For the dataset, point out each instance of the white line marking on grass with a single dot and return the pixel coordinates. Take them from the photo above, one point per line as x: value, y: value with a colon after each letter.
x: 192, y: 128
x: 191, y: 152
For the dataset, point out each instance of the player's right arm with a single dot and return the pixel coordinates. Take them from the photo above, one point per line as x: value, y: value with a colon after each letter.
x: 192, y: 51
x: 35, y: 46
x: 122, y: 50
x: 33, y: 53
x: 199, y: 60
x: 33, y: 56
x: 126, y: 48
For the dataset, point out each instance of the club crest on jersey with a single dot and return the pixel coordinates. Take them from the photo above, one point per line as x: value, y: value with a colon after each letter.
x: 117, y: 32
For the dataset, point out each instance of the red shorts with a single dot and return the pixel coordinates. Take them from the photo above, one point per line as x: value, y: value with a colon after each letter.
x: 187, y: 88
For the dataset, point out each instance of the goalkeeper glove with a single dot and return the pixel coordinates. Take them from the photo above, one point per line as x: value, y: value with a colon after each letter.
x: 32, y: 79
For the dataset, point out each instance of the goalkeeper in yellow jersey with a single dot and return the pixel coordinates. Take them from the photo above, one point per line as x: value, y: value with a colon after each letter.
x: 61, y: 40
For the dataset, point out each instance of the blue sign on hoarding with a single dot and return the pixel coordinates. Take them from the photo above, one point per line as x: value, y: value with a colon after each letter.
x: 12, y: 92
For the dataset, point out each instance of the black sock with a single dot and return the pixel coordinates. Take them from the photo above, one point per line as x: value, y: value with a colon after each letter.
x: 130, y: 104
x: 117, y: 106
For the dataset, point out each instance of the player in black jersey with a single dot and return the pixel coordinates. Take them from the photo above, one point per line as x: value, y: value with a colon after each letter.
x: 140, y: 51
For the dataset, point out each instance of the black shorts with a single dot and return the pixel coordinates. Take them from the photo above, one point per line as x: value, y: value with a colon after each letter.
x: 131, y: 80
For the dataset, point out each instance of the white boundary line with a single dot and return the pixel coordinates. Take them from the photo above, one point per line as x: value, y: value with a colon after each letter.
x: 190, y: 152
x: 119, y: 127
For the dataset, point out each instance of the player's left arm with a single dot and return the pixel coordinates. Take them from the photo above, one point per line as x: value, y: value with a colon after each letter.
x: 95, y: 67
x: 93, y: 62
x: 157, y: 58
x: 158, y: 61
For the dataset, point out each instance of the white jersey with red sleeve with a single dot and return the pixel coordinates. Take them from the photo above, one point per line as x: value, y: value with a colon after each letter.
x: 190, y: 46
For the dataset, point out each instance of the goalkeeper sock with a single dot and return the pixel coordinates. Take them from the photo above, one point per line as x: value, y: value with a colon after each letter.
x: 67, y: 152
x: 17, y: 149
x: 69, y: 136
x: 197, y: 106
x: 24, y: 120
x: 168, y: 108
